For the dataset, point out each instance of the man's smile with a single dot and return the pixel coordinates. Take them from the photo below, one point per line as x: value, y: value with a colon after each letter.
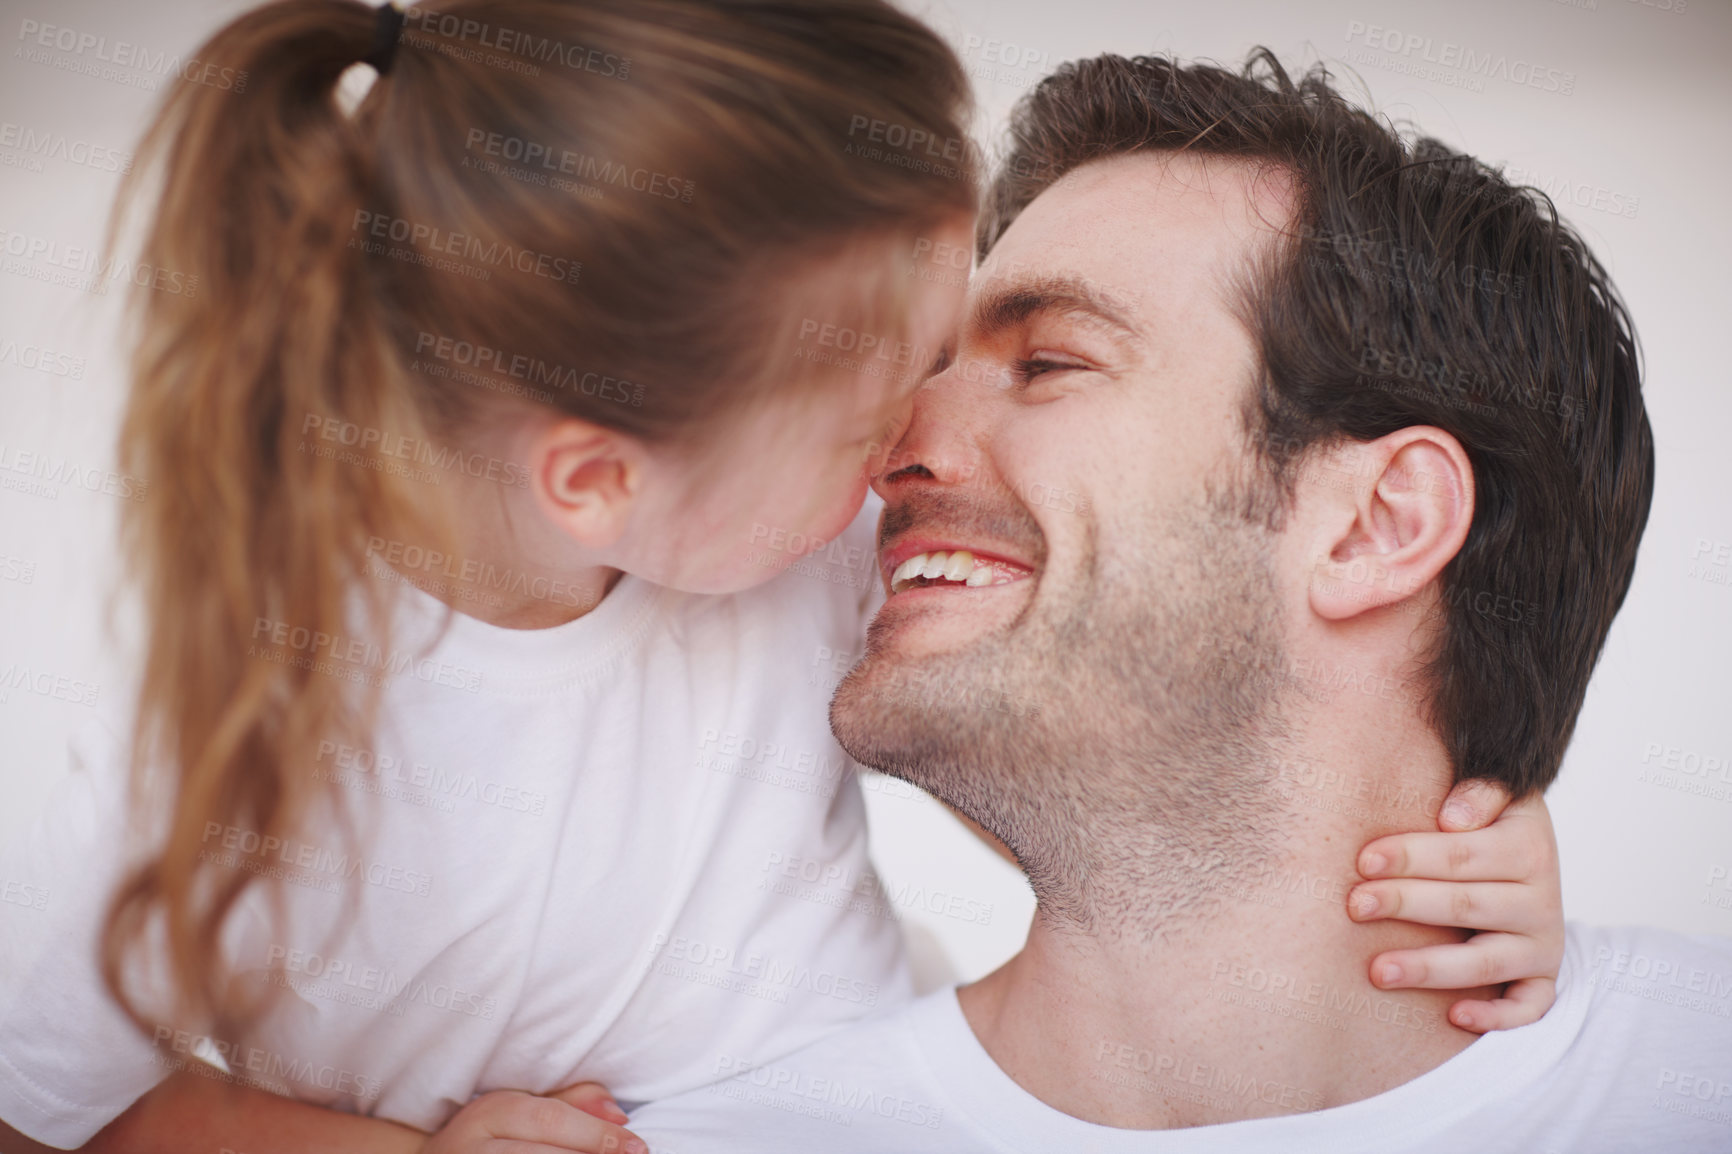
x: 927, y: 560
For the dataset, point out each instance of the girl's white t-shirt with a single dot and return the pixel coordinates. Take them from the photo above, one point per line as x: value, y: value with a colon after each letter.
x: 625, y: 849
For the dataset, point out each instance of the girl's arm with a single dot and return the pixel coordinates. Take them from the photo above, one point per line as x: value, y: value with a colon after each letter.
x: 187, y: 1111
x: 190, y: 1112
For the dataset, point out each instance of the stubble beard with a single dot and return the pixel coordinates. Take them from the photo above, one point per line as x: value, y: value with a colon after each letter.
x: 1122, y: 742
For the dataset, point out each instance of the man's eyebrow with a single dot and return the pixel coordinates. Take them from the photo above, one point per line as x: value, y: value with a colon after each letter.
x: 1010, y: 305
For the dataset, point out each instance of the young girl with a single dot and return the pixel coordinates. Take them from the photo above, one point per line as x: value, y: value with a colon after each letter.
x: 587, y: 321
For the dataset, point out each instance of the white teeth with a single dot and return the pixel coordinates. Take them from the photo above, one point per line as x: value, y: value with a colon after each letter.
x: 957, y: 566
x: 908, y: 569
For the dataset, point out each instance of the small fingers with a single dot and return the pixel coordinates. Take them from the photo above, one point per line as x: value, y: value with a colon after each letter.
x: 1522, y: 1004
x: 1507, y: 906
x: 1483, y: 960
x: 533, y: 1121
x: 1453, y: 856
x: 1515, y: 849
x: 1472, y: 804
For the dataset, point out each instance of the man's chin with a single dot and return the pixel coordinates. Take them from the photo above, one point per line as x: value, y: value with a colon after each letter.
x: 922, y: 696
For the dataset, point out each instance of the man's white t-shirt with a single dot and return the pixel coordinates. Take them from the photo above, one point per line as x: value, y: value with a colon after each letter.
x: 572, y: 844
x: 1635, y: 1056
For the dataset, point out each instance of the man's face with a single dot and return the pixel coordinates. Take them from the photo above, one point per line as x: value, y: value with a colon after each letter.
x: 1104, y: 678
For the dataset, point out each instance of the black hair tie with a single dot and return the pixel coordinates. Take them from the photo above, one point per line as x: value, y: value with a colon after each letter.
x: 386, y: 31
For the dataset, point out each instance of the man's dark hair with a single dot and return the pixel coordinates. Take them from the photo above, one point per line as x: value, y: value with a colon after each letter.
x: 1415, y: 286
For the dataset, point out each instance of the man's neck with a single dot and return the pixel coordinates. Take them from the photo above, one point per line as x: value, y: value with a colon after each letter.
x: 1263, y: 1006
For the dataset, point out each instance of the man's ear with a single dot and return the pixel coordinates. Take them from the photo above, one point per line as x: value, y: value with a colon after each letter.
x: 1396, y: 511
x: 586, y: 479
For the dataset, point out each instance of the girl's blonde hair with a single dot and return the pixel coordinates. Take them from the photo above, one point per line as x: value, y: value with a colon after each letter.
x: 599, y: 206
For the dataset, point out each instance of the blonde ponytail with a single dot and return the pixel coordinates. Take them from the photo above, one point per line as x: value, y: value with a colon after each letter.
x: 243, y: 524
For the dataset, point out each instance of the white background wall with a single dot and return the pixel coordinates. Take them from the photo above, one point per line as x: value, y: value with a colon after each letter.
x: 1634, y: 151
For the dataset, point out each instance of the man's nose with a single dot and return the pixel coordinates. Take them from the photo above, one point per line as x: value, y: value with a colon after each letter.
x: 943, y: 440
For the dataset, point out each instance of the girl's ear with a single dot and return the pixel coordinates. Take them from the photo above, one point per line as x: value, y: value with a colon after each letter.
x: 586, y: 479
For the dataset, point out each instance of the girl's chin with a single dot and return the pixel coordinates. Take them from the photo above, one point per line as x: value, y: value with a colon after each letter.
x: 752, y: 568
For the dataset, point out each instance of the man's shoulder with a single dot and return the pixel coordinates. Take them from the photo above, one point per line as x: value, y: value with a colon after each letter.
x: 866, y: 1086
x: 1683, y: 980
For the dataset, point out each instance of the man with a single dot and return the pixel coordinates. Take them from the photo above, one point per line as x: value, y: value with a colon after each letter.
x: 1360, y: 461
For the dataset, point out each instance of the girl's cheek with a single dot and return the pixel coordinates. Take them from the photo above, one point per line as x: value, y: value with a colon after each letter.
x: 847, y: 507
